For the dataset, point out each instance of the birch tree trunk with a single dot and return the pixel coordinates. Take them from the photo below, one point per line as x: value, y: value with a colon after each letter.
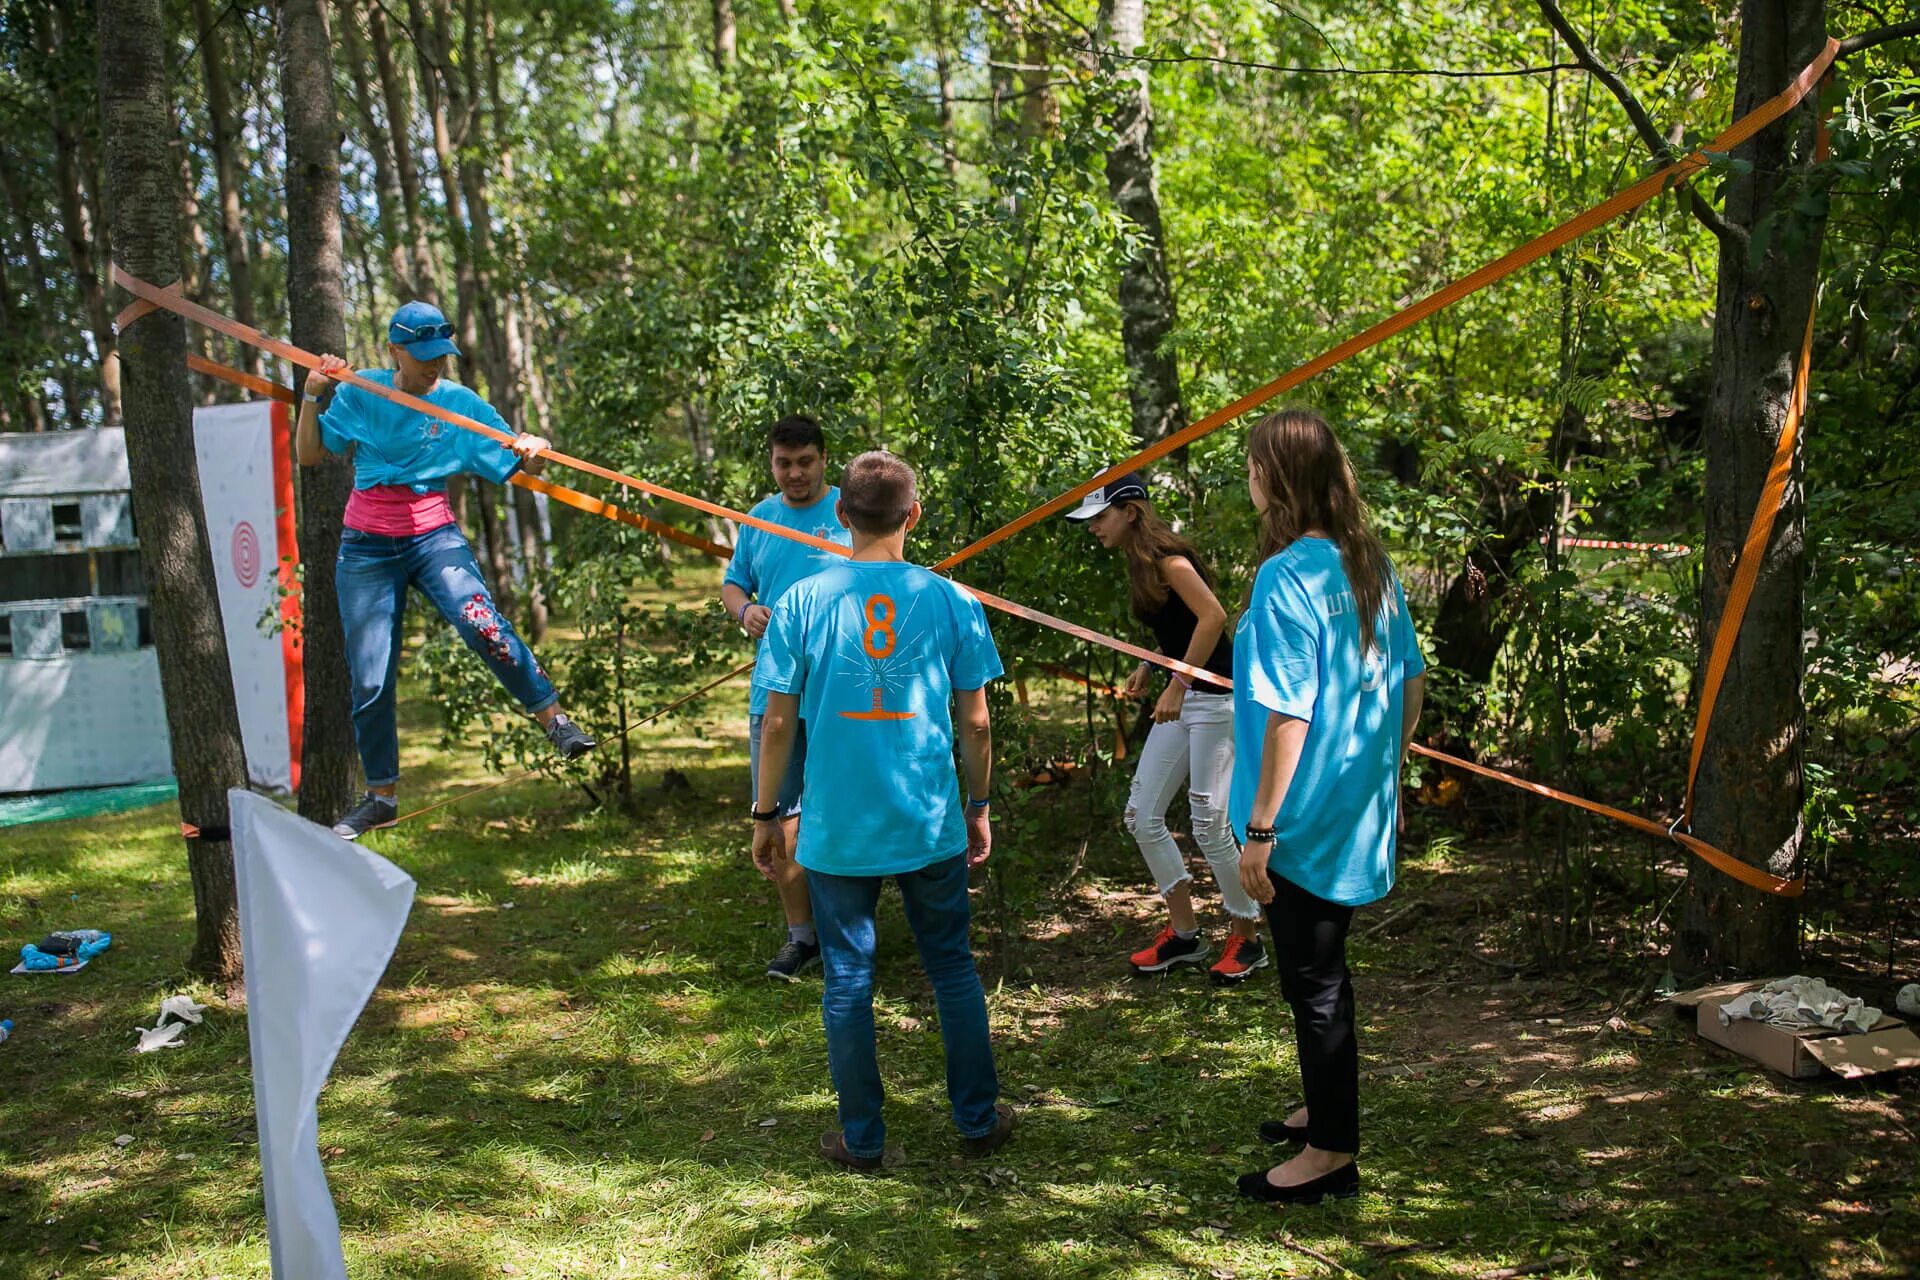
x: 78, y: 219
x: 398, y: 96
x: 380, y: 145
x: 223, y: 128
x: 1146, y: 289
x: 13, y: 187
x: 726, y: 37
x: 193, y: 262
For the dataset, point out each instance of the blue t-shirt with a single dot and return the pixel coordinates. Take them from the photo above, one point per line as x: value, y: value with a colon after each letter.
x: 1297, y: 651
x: 874, y: 650
x: 398, y: 445
x: 765, y: 564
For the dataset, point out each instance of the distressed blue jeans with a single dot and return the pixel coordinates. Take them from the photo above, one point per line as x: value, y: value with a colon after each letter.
x: 372, y: 576
x: 937, y: 911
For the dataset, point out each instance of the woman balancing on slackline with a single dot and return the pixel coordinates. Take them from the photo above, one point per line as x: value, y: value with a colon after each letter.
x: 1327, y: 686
x: 400, y: 532
x: 1191, y: 742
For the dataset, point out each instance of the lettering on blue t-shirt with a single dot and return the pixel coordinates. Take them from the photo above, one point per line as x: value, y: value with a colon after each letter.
x: 874, y: 650
x: 1296, y: 651
x: 393, y: 444
x: 765, y: 565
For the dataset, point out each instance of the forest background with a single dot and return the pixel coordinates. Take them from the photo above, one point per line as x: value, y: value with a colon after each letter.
x: 1013, y: 242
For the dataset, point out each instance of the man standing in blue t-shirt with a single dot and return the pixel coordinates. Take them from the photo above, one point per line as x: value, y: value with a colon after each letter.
x: 764, y: 566
x: 874, y: 654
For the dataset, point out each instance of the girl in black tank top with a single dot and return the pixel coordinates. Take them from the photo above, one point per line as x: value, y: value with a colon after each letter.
x: 1191, y: 744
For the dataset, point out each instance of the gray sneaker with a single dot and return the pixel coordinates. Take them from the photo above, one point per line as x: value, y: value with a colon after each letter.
x: 567, y: 738
x: 372, y: 813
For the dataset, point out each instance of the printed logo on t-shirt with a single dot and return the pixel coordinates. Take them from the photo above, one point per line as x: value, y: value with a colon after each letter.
x: 879, y: 658
x: 1373, y: 669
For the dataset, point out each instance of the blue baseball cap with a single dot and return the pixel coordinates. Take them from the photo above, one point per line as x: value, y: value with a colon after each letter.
x: 423, y: 330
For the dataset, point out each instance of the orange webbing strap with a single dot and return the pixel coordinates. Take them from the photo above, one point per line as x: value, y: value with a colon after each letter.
x: 1747, y: 568
x: 1773, y: 495
x: 252, y: 382
x: 559, y: 493
x: 1079, y: 632
x: 165, y: 300
x: 599, y: 507
x: 511, y: 778
x: 1741, y: 871
x: 596, y: 506
x: 1632, y: 198
x: 1732, y: 866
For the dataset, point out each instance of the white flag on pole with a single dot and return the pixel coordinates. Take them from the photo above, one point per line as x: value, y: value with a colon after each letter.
x: 319, y: 918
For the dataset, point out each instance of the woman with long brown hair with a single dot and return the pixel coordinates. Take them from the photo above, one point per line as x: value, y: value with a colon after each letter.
x: 1327, y: 686
x: 1191, y: 742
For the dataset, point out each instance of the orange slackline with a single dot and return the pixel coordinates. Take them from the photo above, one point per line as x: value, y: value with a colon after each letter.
x: 1632, y: 198
x: 1773, y: 495
x: 150, y: 298
x: 1732, y: 866
x: 1753, y: 553
x: 171, y: 302
x: 559, y: 493
x: 1745, y: 873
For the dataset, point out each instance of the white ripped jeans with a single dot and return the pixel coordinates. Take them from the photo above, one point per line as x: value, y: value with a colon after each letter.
x: 1197, y: 746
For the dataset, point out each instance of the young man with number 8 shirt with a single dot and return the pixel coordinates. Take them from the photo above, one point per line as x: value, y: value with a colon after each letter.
x: 875, y: 654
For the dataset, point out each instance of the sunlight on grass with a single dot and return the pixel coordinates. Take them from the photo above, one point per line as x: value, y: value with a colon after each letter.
x: 574, y: 1068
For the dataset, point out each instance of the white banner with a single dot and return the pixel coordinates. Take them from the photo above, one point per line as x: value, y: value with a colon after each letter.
x: 319, y: 918
x: 233, y: 444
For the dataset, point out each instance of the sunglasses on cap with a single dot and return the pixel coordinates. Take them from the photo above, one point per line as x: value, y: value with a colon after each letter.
x: 423, y: 333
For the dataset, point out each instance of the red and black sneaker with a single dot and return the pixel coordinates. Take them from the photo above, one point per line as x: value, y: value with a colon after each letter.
x: 1168, y: 950
x: 1237, y: 963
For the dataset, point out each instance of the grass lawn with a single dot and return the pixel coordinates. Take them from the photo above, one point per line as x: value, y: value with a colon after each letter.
x: 574, y: 1068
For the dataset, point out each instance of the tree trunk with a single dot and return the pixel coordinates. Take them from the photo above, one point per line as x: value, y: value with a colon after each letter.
x: 1751, y: 796
x: 726, y: 37
x: 386, y: 184
x: 13, y: 186
x: 398, y: 95
x: 508, y: 379
x: 446, y: 106
x: 224, y: 133
x: 1039, y: 109
x: 316, y: 291
x: 22, y: 407
x: 193, y: 262
x: 1006, y: 43
x: 1146, y: 289
x: 493, y: 541
x: 178, y: 564
x: 77, y: 225
x: 943, y: 70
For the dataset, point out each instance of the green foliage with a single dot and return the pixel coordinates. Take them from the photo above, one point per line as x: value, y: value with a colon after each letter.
x: 719, y: 250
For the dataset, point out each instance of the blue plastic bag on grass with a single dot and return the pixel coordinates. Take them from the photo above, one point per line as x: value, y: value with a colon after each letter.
x: 68, y: 949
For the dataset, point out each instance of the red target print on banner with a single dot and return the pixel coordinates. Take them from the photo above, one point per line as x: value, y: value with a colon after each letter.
x: 246, y: 554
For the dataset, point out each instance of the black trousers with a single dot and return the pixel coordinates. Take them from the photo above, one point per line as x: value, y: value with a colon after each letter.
x: 1310, y: 948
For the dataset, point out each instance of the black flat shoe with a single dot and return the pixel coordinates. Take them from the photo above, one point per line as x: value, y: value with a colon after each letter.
x: 1341, y: 1183
x: 1281, y: 1131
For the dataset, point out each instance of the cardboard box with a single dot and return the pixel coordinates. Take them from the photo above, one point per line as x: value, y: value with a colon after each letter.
x: 1807, y: 1053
